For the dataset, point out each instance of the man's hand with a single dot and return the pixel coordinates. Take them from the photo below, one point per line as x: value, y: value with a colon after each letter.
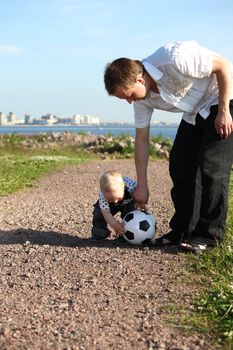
x: 140, y: 196
x: 224, y: 124
x: 222, y: 69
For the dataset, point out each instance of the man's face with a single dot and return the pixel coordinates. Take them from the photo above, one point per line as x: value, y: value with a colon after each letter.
x: 136, y: 92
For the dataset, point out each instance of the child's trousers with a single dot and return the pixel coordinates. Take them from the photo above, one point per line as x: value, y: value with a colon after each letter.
x: 100, y: 227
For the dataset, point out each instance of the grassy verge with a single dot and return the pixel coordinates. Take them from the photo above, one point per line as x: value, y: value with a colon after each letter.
x: 24, y: 159
x: 18, y: 169
x: 214, y: 307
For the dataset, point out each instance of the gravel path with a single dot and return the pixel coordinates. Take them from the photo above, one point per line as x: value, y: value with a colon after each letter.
x: 58, y: 290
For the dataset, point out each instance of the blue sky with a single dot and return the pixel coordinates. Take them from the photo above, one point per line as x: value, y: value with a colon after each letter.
x: 53, y: 52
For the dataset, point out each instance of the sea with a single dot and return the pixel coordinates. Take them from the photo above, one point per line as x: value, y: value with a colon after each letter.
x: 164, y: 131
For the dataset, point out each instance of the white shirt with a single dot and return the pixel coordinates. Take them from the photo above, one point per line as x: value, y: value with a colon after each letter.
x: 182, y: 71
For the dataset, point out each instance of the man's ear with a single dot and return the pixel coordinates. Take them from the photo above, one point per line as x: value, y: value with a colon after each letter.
x: 140, y: 79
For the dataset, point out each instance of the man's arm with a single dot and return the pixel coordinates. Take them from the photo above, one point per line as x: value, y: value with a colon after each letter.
x: 141, y: 194
x: 223, y: 121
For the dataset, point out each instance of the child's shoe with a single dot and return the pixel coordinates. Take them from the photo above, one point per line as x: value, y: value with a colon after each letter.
x: 96, y: 238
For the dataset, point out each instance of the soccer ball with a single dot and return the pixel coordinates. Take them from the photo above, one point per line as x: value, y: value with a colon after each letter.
x: 140, y: 227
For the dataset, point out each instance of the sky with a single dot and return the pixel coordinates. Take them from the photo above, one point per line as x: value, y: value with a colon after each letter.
x: 53, y: 52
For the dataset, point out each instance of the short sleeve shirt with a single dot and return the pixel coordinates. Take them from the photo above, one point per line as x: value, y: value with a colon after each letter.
x: 183, y: 73
x: 130, y: 185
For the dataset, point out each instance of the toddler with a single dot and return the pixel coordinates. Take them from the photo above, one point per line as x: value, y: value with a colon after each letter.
x: 115, y: 196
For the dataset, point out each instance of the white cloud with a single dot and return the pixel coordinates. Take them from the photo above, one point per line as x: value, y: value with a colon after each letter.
x: 11, y: 50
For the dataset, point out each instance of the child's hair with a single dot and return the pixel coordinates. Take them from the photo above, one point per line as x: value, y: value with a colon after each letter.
x: 121, y: 73
x: 110, y: 180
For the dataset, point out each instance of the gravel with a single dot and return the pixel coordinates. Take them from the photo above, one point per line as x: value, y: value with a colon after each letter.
x: 59, y: 290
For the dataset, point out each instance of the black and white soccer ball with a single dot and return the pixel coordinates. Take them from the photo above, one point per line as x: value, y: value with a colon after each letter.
x: 139, y: 226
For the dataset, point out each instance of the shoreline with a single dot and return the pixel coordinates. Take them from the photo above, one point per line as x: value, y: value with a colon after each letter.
x: 86, y: 125
x: 113, y: 130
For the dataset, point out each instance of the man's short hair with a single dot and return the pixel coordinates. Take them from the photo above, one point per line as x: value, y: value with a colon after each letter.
x: 121, y: 73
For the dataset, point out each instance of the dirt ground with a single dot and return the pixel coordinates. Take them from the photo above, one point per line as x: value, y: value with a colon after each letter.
x: 58, y: 290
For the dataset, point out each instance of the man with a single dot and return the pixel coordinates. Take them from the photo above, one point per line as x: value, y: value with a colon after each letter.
x: 184, y: 77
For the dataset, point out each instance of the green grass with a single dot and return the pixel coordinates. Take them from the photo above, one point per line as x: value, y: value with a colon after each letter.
x: 214, y: 307
x: 19, y: 169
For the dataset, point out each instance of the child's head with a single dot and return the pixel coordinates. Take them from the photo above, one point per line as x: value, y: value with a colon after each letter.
x: 112, y: 185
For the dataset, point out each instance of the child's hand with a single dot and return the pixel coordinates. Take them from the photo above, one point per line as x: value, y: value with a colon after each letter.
x: 118, y: 228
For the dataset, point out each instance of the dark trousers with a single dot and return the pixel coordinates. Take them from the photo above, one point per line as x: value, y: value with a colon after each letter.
x: 200, y: 167
x: 100, y: 226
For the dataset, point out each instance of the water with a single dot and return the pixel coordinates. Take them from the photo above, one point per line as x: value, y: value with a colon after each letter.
x: 165, y: 131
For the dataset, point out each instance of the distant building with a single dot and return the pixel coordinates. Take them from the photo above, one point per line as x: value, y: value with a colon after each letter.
x: 77, y: 119
x: 28, y: 119
x: 85, y: 119
x: 11, y: 118
x: 39, y: 122
x: 64, y: 120
x: 88, y: 119
x: 2, y: 119
x: 49, y: 119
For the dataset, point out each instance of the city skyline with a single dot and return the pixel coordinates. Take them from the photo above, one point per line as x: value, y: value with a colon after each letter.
x: 11, y: 119
x: 49, y: 118
x: 53, y: 52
